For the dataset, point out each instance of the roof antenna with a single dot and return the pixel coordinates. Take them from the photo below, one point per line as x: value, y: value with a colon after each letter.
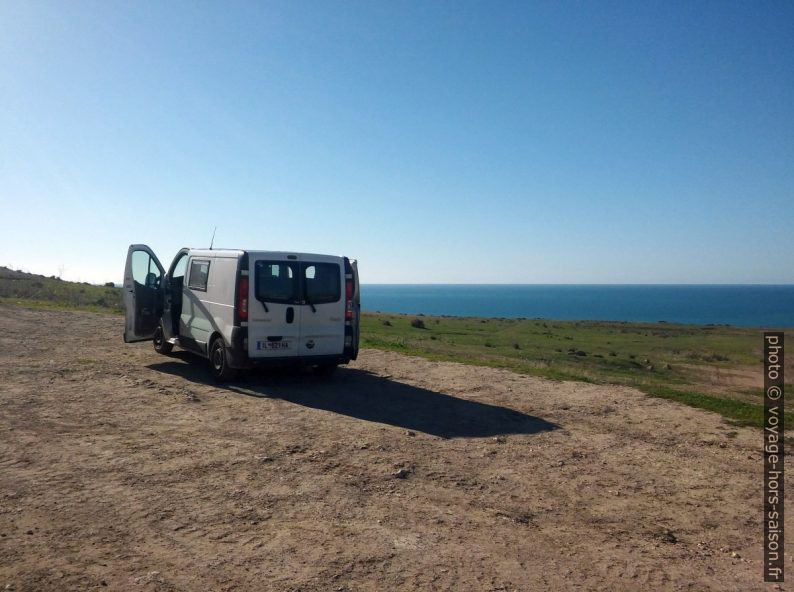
x: 213, y: 238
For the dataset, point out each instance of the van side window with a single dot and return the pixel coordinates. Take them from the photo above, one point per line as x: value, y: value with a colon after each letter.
x: 322, y: 282
x: 199, y: 274
x: 276, y: 281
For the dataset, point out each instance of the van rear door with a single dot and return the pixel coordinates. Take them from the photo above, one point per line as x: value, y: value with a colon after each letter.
x: 274, y: 310
x: 323, y: 306
x: 142, y: 293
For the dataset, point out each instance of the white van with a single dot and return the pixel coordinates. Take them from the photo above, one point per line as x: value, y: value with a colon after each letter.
x: 244, y: 308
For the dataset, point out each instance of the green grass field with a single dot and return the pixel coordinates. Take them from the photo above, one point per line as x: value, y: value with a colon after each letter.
x: 695, y: 365
x: 708, y: 367
x: 53, y: 293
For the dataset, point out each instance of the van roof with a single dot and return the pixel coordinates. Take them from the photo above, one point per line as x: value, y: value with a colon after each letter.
x: 216, y: 252
x: 239, y: 252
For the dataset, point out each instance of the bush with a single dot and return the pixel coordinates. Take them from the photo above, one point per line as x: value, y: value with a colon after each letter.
x: 516, y: 346
x: 417, y: 324
x: 387, y: 323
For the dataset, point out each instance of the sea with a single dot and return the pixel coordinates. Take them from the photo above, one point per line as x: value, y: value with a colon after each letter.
x: 768, y: 306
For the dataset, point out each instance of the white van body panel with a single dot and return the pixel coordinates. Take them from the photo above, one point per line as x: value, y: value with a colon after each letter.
x: 208, y: 303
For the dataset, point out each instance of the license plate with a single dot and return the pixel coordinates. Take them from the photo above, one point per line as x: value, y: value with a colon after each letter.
x: 270, y: 345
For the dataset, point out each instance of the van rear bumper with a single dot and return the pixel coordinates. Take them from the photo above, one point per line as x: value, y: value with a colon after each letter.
x: 237, y: 355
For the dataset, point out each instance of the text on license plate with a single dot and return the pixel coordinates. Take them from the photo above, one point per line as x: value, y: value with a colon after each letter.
x: 260, y: 345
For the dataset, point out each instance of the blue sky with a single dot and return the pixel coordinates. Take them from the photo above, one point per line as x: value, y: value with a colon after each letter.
x: 460, y: 142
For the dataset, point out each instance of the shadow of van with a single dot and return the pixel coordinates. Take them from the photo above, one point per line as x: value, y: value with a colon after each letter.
x: 369, y: 397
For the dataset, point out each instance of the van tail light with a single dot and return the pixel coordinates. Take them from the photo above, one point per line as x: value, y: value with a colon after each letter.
x: 349, y: 299
x: 242, y: 298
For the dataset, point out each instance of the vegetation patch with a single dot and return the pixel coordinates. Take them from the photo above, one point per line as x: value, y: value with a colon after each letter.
x: 52, y: 293
x: 675, y: 362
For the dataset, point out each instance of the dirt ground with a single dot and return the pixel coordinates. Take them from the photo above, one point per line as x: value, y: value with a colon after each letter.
x: 122, y: 469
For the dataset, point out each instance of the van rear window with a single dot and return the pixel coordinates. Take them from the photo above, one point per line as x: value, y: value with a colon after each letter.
x: 276, y: 281
x: 322, y: 282
x: 289, y: 282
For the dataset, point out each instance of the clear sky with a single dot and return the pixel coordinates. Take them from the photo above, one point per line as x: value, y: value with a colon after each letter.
x: 459, y: 142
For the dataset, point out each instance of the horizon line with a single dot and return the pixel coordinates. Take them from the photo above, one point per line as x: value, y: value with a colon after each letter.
x: 577, y: 284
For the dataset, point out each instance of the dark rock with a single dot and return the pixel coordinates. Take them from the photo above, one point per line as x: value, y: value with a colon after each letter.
x: 668, y: 536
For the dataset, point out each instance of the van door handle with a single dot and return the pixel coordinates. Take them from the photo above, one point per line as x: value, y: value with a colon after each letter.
x: 290, y: 314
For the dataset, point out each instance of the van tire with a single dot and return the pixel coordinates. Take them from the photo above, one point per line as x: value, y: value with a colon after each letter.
x: 219, y: 361
x: 161, y: 346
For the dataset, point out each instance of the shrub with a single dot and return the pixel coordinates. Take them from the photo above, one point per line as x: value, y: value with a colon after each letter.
x: 387, y: 323
x: 516, y: 346
x: 417, y: 324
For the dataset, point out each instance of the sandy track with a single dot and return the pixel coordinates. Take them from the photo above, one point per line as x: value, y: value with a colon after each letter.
x: 122, y: 469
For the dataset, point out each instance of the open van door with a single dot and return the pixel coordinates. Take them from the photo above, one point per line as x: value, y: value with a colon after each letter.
x: 356, y: 308
x: 142, y: 293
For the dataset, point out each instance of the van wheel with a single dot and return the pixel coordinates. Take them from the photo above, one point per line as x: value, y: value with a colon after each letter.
x: 324, y: 369
x: 219, y: 363
x: 161, y: 346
